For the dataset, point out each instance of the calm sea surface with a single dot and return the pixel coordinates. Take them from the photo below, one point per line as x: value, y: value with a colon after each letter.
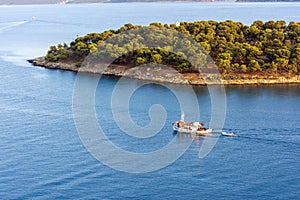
x: 42, y: 156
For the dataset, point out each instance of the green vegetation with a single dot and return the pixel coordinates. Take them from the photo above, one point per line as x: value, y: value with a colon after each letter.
x: 271, y: 47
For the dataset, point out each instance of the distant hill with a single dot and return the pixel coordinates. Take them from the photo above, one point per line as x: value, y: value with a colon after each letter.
x: 24, y: 2
x: 267, y: 0
x: 16, y: 2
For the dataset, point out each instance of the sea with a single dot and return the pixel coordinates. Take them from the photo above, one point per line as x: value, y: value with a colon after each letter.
x: 45, y: 154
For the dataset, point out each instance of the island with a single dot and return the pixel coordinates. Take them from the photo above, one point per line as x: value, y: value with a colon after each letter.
x: 262, y: 53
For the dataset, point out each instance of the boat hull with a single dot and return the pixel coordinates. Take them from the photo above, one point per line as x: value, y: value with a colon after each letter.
x: 192, y: 130
x: 228, y: 134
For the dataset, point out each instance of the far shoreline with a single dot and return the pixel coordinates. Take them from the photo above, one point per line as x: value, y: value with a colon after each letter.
x: 166, y: 76
x: 64, y: 2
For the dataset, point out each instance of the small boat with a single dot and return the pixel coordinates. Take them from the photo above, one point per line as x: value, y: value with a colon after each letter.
x: 228, y: 134
x: 190, y: 127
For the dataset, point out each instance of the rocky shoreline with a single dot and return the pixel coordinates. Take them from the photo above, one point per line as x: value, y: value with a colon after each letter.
x: 169, y: 75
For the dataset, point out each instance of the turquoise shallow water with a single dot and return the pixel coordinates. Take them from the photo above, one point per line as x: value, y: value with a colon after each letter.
x: 42, y: 156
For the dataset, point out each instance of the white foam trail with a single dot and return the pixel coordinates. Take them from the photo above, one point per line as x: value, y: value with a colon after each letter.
x: 19, y: 60
x: 9, y: 25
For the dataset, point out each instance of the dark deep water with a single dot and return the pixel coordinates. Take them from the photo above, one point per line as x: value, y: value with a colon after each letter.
x: 41, y: 155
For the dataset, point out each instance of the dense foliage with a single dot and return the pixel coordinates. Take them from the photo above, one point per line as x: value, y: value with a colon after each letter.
x: 270, y: 47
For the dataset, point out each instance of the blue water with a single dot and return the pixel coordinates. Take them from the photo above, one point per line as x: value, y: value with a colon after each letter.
x: 42, y: 156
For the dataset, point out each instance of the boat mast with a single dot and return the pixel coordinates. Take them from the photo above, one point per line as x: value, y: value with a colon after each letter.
x: 182, y: 116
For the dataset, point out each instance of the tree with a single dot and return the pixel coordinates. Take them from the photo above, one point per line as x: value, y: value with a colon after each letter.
x: 224, y: 61
x: 156, y: 58
x: 140, y: 61
x: 254, y: 66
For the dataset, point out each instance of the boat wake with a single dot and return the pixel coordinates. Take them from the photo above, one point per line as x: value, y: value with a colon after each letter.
x: 285, y: 137
x: 9, y: 25
x: 63, y: 23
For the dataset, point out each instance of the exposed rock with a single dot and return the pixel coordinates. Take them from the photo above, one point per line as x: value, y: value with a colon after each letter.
x: 161, y: 73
